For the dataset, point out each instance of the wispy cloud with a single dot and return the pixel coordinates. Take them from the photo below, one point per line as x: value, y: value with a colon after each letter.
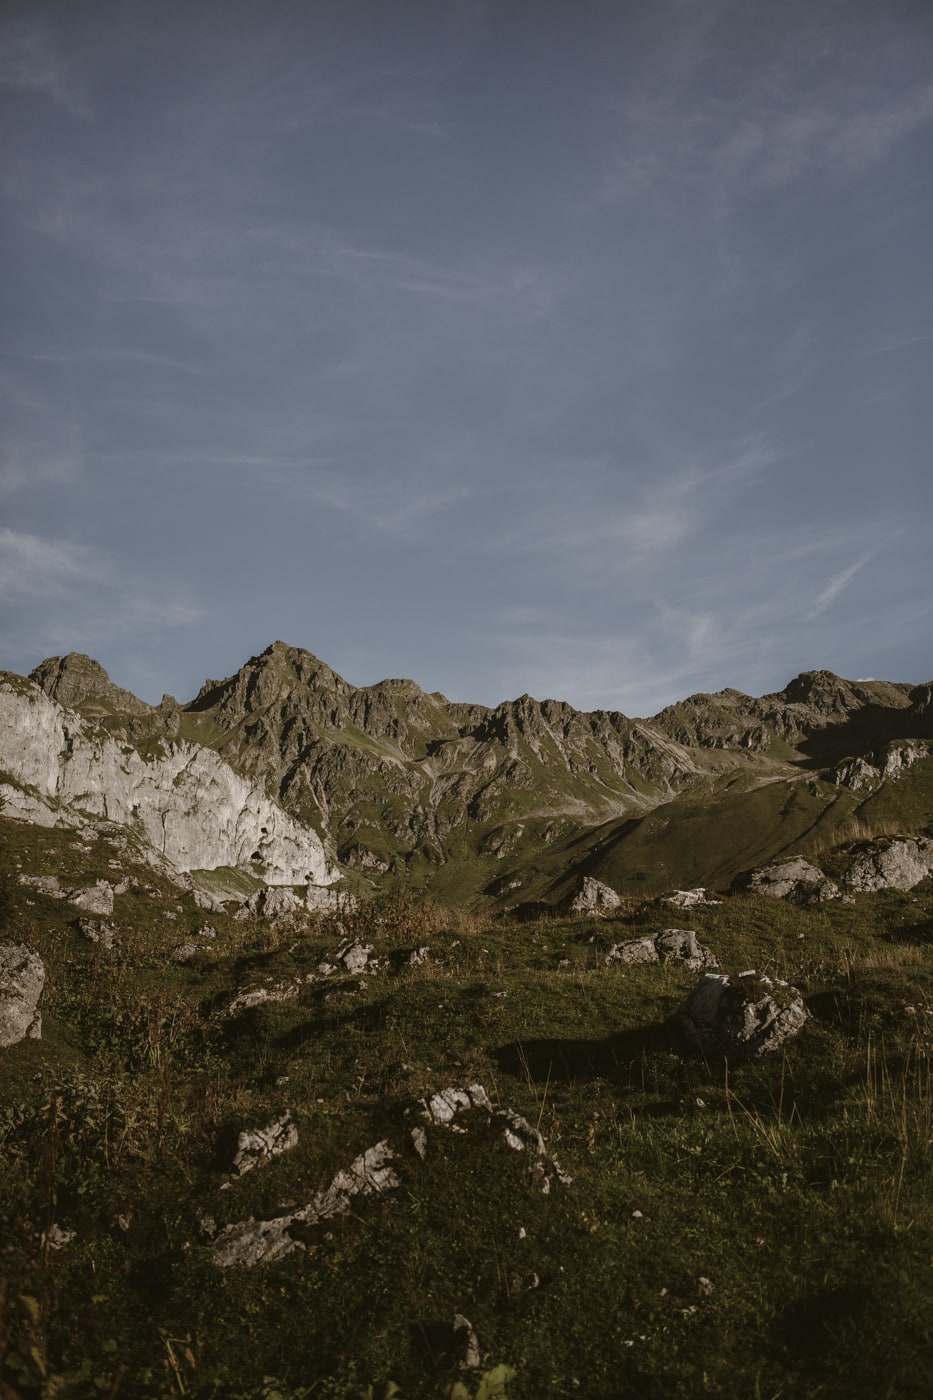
x: 31, y: 61
x: 33, y: 567
x: 838, y: 583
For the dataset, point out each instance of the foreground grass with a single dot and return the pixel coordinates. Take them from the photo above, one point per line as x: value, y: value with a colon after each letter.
x: 754, y: 1230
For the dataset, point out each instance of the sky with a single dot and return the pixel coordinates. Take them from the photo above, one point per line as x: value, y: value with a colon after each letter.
x: 578, y: 349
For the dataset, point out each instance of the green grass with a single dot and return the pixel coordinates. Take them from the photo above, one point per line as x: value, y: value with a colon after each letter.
x: 755, y: 1230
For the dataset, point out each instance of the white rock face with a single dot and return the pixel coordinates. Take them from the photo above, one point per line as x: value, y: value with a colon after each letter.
x: 22, y: 977
x: 189, y: 805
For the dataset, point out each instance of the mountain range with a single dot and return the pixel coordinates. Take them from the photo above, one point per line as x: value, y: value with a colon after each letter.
x: 511, y: 805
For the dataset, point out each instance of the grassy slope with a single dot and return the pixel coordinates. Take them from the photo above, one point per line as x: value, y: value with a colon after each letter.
x: 798, y: 1186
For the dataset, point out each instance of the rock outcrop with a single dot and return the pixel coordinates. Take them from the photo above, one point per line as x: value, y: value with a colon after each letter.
x: 186, y: 802
x: 674, y: 945
x: 891, y: 863
x: 22, y: 977
x: 747, y: 1015
x: 252, y: 1241
x: 793, y: 879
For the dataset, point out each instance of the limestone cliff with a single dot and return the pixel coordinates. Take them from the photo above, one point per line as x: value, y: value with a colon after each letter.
x: 58, y: 768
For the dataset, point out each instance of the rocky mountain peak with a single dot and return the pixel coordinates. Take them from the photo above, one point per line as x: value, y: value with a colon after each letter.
x: 78, y: 681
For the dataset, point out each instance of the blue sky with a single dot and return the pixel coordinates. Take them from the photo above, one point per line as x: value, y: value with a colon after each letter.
x: 579, y: 349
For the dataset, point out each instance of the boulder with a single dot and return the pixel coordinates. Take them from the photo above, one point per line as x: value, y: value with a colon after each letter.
x: 22, y: 977
x: 744, y: 1015
x: 591, y: 897
x: 793, y: 879
x: 674, y: 945
x: 895, y: 863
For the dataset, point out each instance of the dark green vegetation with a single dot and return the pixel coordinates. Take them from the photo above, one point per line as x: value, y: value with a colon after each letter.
x: 755, y: 1230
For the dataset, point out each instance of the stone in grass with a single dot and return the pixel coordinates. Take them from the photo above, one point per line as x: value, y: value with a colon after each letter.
x: 250, y: 1242
x: 673, y: 945
x: 256, y: 1146
x: 747, y: 1015
x: 689, y: 899
x: 22, y: 977
x: 94, y: 899
x: 793, y: 879
x: 591, y: 897
x: 97, y: 931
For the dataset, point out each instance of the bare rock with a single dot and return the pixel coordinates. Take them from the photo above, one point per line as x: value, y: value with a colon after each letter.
x: 43, y: 884
x: 895, y: 863
x: 592, y: 897
x: 793, y: 879
x: 58, y: 1237
x: 257, y: 1146
x: 22, y: 977
x: 275, y: 902
x: 252, y: 1241
x: 271, y: 991
x: 355, y: 957
x: 184, y: 952
x: 747, y: 1015
x: 93, y: 899
x: 466, y: 1336
x: 97, y: 931
x: 689, y: 899
x: 673, y: 945
x: 444, y: 1106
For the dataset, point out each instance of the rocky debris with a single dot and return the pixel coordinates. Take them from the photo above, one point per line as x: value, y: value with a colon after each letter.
x: 97, y: 931
x: 94, y: 899
x: 184, y: 952
x: 206, y: 931
x: 353, y: 957
x: 592, y: 897
x: 321, y: 900
x: 58, y: 1237
x: 257, y: 1146
x: 252, y: 1241
x: 271, y: 991
x: 467, y: 1338
x: 444, y: 1106
x: 747, y: 1015
x: 275, y: 902
x: 22, y: 977
x: 689, y: 899
x: 891, y: 863
x: 43, y: 884
x: 673, y: 945
x: 871, y: 769
x: 364, y: 859
x: 210, y: 903
x: 793, y: 879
